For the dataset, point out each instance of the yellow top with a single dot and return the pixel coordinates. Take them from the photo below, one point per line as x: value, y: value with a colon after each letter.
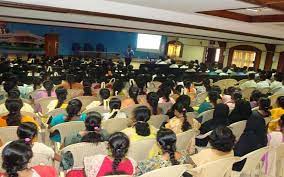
x: 276, y: 113
x: 133, y: 136
x: 3, y: 122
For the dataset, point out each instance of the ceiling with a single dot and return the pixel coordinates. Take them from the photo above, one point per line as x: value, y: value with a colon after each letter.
x: 179, y: 17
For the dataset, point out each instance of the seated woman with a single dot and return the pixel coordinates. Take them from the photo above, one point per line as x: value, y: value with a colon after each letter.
x: 220, y: 118
x: 141, y: 129
x: 181, y: 122
x: 93, y: 132
x: 61, y: 94
x: 185, y: 101
x: 73, y: 114
x: 264, y: 109
x: 213, y: 98
x: 117, y: 87
x: 14, y: 117
x: 275, y: 138
x: 254, y: 137
x: 166, y: 140
x: 153, y: 103
x: 72, y: 82
x: 222, y: 141
x: 104, y: 94
x: 28, y: 133
x: 87, y: 88
x: 115, y: 163
x: 164, y: 93
x: 178, y: 91
x: 254, y: 98
x: 242, y: 111
x: 47, y: 92
x: 15, y: 159
x: 114, y: 106
x: 133, y: 94
x: 276, y: 113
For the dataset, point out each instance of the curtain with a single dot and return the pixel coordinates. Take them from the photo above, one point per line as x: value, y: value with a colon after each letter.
x: 174, y: 50
x: 243, y: 58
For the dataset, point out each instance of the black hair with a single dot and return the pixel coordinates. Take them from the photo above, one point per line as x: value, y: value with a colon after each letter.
x: 87, y: 88
x: 153, y: 100
x: 178, y: 89
x: 179, y: 107
x: 104, y: 93
x: 14, y: 94
x: 251, y: 76
x: 213, y: 96
x: 9, y: 85
x: 165, y: 92
x: 118, y: 144
x: 133, y: 93
x: 48, y: 85
x: 70, y: 78
x: 281, y: 123
x: 185, y: 100
x: 142, y: 115
x: 27, y: 131
x: 237, y: 96
x: 61, y: 94
x: 73, y: 109
x: 14, y: 107
x: 256, y: 95
x: 264, y: 105
x: 118, y: 85
x: 93, y: 126
x: 222, y: 139
x: 114, y: 104
x: 16, y: 156
x: 167, y: 140
x: 280, y: 101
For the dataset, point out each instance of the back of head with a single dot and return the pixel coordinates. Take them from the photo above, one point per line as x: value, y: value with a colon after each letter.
x: 222, y: 139
x: 16, y: 156
x: 185, y: 101
x: 280, y: 102
x: 14, y: 94
x: 256, y: 95
x: 263, y: 76
x: 70, y: 78
x: 14, y: 107
x: 48, y: 85
x: 167, y: 139
x: 221, y: 114
x: 61, y: 94
x: 104, y: 93
x: 237, y: 96
x: 181, y: 109
x: 213, y: 96
x: 87, y: 87
x: 27, y: 132
x: 142, y: 115
x: 118, y: 144
x: 9, y: 85
x: 251, y: 76
x: 264, y: 105
x: 93, y: 126
x: 114, y: 103
x: 117, y: 86
x: 179, y: 89
x: 165, y: 92
x: 153, y: 100
x: 133, y: 93
x: 73, y: 109
x: 243, y: 108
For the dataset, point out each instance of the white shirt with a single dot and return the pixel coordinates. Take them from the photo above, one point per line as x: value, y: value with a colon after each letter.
x: 106, y: 116
x: 184, y: 67
x: 247, y: 84
x: 262, y: 84
x: 174, y: 66
x: 275, y: 84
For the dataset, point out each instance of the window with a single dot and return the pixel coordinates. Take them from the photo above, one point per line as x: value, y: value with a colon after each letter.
x: 243, y: 58
x: 217, y: 55
x: 149, y: 41
x: 174, y: 49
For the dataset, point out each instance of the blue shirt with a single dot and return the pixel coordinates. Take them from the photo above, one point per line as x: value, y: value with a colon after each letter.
x: 61, y: 119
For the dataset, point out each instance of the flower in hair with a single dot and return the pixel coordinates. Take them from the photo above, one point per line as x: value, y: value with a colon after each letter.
x: 184, y: 110
x: 96, y: 128
x: 27, y: 140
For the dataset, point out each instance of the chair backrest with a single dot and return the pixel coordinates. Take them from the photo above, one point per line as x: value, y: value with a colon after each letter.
x: 72, y: 93
x: 218, y: 168
x: 226, y: 83
x: 99, y: 109
x: 280, y: 151
x: 206, y: 115
x: 238, y: 128
x: 86, y: 100
x: 242, y: 81
x: 115, y: 124
x: 165, y: 107
x: 172, y: 171
x: 200, y: 98
x: 8, y: 133
x: 56, y: 112
x: 264, y: 90
x: 253, y: 159
x: 67, y: 128
x: 273, y: 98
x: 267, y: 120
x: 184, y: 139
x: 43, y: 103
x: 129, y: 110
x: 280, y: 160
x: 158, y: 120
x: 246, y: 92
x: 81, y: 150
x: 139, y: 150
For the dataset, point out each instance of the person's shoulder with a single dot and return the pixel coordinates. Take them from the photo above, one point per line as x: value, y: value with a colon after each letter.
x: 47, y: 171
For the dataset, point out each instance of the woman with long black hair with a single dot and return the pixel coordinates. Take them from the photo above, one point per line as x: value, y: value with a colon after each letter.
x: 114, y: 106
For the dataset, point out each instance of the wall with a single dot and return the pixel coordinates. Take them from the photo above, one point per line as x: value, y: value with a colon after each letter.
x: 114, y: 41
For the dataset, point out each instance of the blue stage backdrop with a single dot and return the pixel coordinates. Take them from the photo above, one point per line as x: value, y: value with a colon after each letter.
x: 113, y: 41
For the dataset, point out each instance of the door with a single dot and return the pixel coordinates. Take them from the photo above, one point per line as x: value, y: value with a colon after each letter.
x: 280, y: 67
x: 210, y: 55
x: 51, y: 45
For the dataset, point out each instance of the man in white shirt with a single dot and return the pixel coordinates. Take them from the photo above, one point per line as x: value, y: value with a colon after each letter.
x: 277, y: 83
x: 250, y: 82
x: 173, y: 65
x: 263, y: 82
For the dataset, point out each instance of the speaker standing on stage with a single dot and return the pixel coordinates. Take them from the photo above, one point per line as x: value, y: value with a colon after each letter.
x: 128, y: 56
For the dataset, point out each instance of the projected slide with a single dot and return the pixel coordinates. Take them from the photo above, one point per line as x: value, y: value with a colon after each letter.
x: 148, y: 41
